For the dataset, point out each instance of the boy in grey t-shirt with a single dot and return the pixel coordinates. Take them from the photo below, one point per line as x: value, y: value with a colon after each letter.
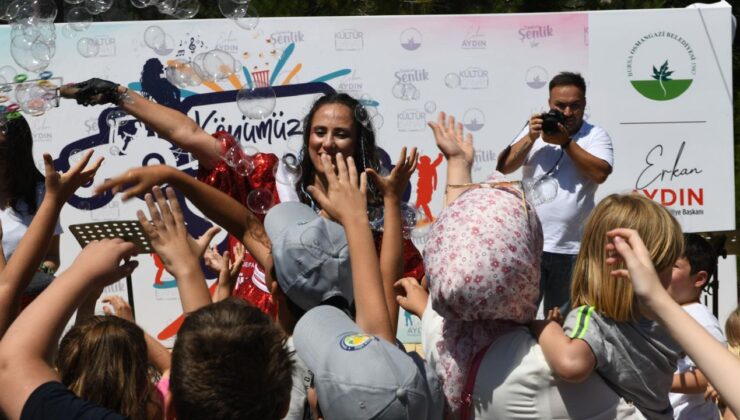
x: 636, y: 358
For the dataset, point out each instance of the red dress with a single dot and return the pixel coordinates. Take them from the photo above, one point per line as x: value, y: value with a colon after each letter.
x: 251, y: 284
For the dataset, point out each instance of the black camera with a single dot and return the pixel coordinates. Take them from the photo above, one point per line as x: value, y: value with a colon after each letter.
x: 550, y: 121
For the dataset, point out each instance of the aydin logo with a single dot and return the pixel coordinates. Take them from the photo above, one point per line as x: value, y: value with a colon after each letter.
x: 411, y: 39
x: 661, y: 65
x: 474, y: 40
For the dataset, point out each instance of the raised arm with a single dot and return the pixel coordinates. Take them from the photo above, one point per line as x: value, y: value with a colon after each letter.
x: 570, y: 359
x: 391, y: 249
x: 457, y: 148
x: 169, y: 123
x: 589, y: 165
x: 345, y: 201
x: 720, y: 366
x: 32, y: 248
x: 168, y: 236
x: 215, y: 205
x: 27, y: 348
x: 513, y: 156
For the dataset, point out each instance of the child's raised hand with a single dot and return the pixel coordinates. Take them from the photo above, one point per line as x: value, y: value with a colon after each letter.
x: 414, y: 297
x: 450, y: 139
x: 106, y: 261
x: 626, y: 245
x: 345, y: 198
x: 61, y: 186
x: 166, y: 230
x: 116, y: 306
x: 393, y: 185
x: 200, y: 245
x: 136, y: 181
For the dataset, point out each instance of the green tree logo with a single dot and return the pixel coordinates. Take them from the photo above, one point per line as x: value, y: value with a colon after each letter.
x: 662, y: 87
x: 662, y: 75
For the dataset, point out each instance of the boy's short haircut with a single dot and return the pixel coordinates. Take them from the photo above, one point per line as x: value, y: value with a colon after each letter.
x: 700, y: 254
x: 230, y: 362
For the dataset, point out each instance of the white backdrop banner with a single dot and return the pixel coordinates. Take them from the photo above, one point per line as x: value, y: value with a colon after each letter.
x: 659, y: 81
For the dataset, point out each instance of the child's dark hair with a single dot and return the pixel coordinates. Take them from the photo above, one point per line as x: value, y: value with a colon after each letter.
x: 230, y: 362
x: 700, y: 254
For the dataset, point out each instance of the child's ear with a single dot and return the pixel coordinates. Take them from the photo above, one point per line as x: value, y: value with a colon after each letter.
x: 701, y: 278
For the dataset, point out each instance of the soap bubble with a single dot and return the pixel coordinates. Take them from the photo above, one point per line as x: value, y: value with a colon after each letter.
x: 186, y: 9
x: 88, y: 47
x: 452, y: 80
x: 113, y: 120
x: 154, y: 37
x: 375, y: 215
x: 97, y: 7
x: 31, y: 54
x: 219, y: 64
x: 181, y: 74
x: 256, y: 103
x: 288, y: 171
x: 249, y: 20
x: 78, y: 18
x: 140, y: 4
x: 260, y: 200
x: 541, y: 190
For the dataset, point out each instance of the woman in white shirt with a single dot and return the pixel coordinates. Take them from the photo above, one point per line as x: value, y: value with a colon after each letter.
x: 21, y: 192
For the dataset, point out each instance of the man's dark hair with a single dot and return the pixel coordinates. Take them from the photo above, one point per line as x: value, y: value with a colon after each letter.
x: 230, y: 361
x: 568, y: 78
x: 700, y: 254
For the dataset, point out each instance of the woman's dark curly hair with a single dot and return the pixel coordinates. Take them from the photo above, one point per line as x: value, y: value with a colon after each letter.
x: 365, y: 155
x: 21, y: 174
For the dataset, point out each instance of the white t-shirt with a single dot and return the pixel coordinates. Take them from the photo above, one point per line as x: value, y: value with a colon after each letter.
x: 300, y: 381
x: 15, y: 224
x: 515, y: 382
x: 563, y: 217
x: 693, y: 406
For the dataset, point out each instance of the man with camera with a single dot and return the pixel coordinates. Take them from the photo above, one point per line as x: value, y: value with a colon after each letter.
x: 560, y: 145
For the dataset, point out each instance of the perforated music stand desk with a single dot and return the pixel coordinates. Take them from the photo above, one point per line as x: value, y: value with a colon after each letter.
x: 128, y: 230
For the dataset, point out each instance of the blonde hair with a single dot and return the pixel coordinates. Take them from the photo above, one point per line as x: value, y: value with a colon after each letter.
x: 732, y: 332
x: 593, y: 283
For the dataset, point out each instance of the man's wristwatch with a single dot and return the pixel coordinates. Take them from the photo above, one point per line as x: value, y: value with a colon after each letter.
x: 566, y: 144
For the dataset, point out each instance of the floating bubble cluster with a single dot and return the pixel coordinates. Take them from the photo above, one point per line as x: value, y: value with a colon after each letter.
x: 18, y: 94
x: 33, y: 34
x: 180, y: 9
x: 209, y: 66
x: 366, y: 112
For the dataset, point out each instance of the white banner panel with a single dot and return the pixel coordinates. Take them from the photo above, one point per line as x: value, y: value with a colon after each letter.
x: 672, y: 138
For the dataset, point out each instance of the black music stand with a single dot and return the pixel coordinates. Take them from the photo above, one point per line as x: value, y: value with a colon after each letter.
x: 128, y: 230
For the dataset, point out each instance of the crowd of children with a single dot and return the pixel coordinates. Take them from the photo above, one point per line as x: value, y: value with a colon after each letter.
x: 638, y: 344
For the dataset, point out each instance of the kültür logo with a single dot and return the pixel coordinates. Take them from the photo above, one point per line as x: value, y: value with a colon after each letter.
x: 661, y: 65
